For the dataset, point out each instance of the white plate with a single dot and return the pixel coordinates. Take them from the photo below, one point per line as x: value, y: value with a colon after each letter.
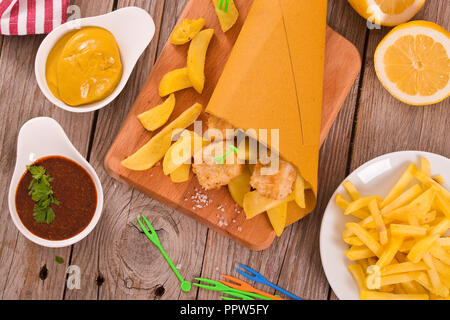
x: 375, y: 177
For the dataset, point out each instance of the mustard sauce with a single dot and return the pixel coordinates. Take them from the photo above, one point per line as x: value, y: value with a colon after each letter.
x: 84, y: 66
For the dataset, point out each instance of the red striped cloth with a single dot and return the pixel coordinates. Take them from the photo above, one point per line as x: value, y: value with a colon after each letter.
x: 22, y: 17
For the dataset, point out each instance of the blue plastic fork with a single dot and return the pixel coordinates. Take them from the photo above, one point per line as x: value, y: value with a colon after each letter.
x: 257, y: 277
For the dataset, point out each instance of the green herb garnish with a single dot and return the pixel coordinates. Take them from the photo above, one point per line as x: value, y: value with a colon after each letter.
x: 59, y: 260
x: 41, y: 192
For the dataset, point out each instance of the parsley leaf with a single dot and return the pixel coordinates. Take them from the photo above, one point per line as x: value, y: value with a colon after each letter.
x: 41, y: 192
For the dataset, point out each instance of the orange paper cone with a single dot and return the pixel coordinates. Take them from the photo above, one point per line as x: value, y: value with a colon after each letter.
x: 274, y: 80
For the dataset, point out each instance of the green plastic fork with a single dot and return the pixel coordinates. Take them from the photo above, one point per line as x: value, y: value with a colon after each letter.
x: 218, y: 286
x: 151, y: 234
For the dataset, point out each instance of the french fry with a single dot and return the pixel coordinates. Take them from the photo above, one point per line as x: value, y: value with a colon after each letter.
x: 422, y: 278
x: 407, y: 231
x: 438, y: 288
x: 441, y: 254
x: 443, y: 270
x: 359, y: 253
x: 406, y: 246
x: 351, y: 190
x: 443, y: 205
x: 389, y: 253
x: 364, y: 263
x: 441, y: 227
x: 358, y: 274
x: 365, y: 237
x: 444, y: 242
x: 425, y: 166
x: 413, y: 287
x: 374, y: 295
x: 424, y: 202
x: 421, y: 247
x: 359, y: 204
x: 376, y: 215
x: 396, y: 278
x: 439, y: 179
x: 343, y: 203
x: 353, y: 241
x: 422, y: 177
x: 402, y: 183
x: 428, y: 217
x: 403, y: 268
x: 373, y: 279
x: 404, y: 199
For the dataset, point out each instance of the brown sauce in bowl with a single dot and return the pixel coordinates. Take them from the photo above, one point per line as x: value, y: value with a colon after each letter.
x: 72, y: 187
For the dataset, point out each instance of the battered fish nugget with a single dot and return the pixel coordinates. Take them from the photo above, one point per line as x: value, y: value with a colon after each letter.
x: 217, y: 124
x: 276, y: 186
x: 212, y: 175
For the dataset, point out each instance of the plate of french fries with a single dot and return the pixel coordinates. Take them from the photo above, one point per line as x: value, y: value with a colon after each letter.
x: 385, y: 232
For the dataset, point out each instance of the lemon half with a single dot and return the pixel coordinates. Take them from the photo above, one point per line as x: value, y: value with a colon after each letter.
x: 413, y: 63
x: 387, y: 12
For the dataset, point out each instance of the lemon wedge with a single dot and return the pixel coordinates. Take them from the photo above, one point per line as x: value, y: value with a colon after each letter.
x: 387, y: 12
x: 413, y: 63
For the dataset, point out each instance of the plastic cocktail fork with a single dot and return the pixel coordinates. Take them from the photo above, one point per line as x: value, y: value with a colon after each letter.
x: 151, y: 234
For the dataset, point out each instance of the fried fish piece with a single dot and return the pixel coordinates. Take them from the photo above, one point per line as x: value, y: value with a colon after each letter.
x: 212, y: 175
x: 216, y: 125
x: 276, y: 186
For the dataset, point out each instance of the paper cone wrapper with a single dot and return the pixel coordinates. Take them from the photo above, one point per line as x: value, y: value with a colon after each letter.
x: 274, y: 80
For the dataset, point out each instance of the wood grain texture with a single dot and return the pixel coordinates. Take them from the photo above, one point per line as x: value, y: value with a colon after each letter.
x: 341, y: 68
x: 293, y: 261
x: 29, y: 271
x: 385, y: 124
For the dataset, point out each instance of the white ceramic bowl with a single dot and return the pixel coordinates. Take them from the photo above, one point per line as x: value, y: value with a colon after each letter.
x: 39, y: 138
x: 133, y: 29
x: 375, y: 177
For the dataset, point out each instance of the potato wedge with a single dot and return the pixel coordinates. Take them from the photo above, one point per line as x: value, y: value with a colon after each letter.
x: 174, y: 81
x: 181, y: 174
x: 277, y: 217
x: 227, y: 19
x: 255, y: 204
x: 299, y: 191
x: 239, y: 187
x: 197, y: 57
x: 156, y: 148
x: 182, y: 151
x: 155, y: 118
x: 186, y: 31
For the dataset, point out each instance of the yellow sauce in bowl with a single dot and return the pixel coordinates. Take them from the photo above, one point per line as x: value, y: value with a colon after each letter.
x: 84, y: 66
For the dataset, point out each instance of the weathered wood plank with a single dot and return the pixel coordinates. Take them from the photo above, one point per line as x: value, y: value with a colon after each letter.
x: 386, y: 125
x: 293, y: 260
x: 29, y: 271
x: 130, y: 265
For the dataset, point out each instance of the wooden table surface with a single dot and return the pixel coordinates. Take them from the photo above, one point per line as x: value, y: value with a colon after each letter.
x: 116, y: 261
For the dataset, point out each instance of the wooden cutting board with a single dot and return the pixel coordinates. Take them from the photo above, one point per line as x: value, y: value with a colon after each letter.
x: 216, y: 209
